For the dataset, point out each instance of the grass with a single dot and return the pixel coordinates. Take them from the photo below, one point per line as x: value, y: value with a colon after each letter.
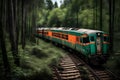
x: 113, y: 64
x: 36, y: 61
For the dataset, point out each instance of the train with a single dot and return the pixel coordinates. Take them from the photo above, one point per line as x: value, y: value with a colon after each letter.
x: 93, y: 45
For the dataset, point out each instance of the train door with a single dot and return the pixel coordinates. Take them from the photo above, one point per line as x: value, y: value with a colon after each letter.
x: 98, y: 44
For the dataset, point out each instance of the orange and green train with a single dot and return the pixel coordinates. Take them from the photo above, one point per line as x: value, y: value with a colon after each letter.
x: 92, y: 44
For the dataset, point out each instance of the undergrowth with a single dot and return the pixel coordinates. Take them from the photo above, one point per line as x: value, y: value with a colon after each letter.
x: 36, y: 61
x: 113, y: 64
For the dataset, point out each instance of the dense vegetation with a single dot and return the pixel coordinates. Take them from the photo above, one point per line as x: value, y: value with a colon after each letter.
x: 19, y: 18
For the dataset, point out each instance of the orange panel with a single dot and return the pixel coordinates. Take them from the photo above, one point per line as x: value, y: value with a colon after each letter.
x: 72, y: 39
x: 50, y: 33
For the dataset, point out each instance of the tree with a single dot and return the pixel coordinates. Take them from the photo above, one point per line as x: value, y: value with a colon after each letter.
x: 75, y: 7
x: 49, y: 4
x: 101, y: 3
x: 12, y: 31
x: 96, y: 14
x: 3, y: 46
x: 55, y: 5
x: 66, y: 3
x: 56, y: 17
x: 111, y: 23
x: 23, y: 24
x: 85, y: 18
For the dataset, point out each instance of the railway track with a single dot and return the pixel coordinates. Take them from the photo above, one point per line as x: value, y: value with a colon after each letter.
x: 102, y: 74
x: 69, y: 69
x: 97, y: 73
x: 66, y: 70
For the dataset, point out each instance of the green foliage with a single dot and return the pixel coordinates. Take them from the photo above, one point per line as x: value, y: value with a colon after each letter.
x: 38, y: 53
x: 42, y: 17
x: 70, y: 12
x: 49, y: 4
x: 56, y: 17
x: 86, y: 18
x: 66, y: 3
x: 36, y: 61
x: 45, y: 74
x: 113, y: 63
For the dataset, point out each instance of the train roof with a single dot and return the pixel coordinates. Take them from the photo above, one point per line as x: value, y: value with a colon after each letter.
x: 89, y: 31
x: 78, y: 31
x: 73, y: 31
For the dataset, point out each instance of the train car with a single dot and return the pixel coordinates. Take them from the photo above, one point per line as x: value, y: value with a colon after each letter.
x: 92, y: 44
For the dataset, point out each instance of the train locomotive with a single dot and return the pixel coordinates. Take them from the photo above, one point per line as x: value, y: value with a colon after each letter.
x: 92, y: 44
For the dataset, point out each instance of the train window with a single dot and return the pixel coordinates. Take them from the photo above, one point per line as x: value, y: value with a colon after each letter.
x: 86, y: 40
x: 66, y: 37
x: 58, y: 35
x: 63, y: 36
x: 92, y: 38
x: 81, y: 40
x: 106, y: 38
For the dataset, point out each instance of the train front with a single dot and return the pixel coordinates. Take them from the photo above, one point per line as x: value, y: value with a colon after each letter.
x: 99, y: 47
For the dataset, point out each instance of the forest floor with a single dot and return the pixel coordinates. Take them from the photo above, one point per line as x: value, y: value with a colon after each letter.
x: 36, y: 60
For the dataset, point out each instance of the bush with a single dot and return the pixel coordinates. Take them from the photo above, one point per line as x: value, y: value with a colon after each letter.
x: 42, y: 75
x: 38, y: 53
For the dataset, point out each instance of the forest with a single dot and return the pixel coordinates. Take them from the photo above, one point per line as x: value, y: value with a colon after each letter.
x: 20, y: 18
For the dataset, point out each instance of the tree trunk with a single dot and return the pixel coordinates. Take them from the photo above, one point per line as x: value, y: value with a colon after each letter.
x: 96, y: 14
x: 77, y: 12
x: 12, y: 32
x: 33, y: 24
x: 3, y: 47
x: 101, y: 14
x: 111, y: 23
x: 16, y: 23
x: 93, y: 14
x: 23, y: 26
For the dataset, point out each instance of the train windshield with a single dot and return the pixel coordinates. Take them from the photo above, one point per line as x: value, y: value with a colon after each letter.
x: 106, y: 38
x: 92, y: 38
x: 86, y: 40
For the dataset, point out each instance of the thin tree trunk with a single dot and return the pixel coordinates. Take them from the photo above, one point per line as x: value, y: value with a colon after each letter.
x: 77, y: 18
x: 93, y: 14
x: 96, y: 14
x: 101, y: 14
x: 33, y: 23
x: 111, y: 23
x: 23, y: 26
x: 16, y: 24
